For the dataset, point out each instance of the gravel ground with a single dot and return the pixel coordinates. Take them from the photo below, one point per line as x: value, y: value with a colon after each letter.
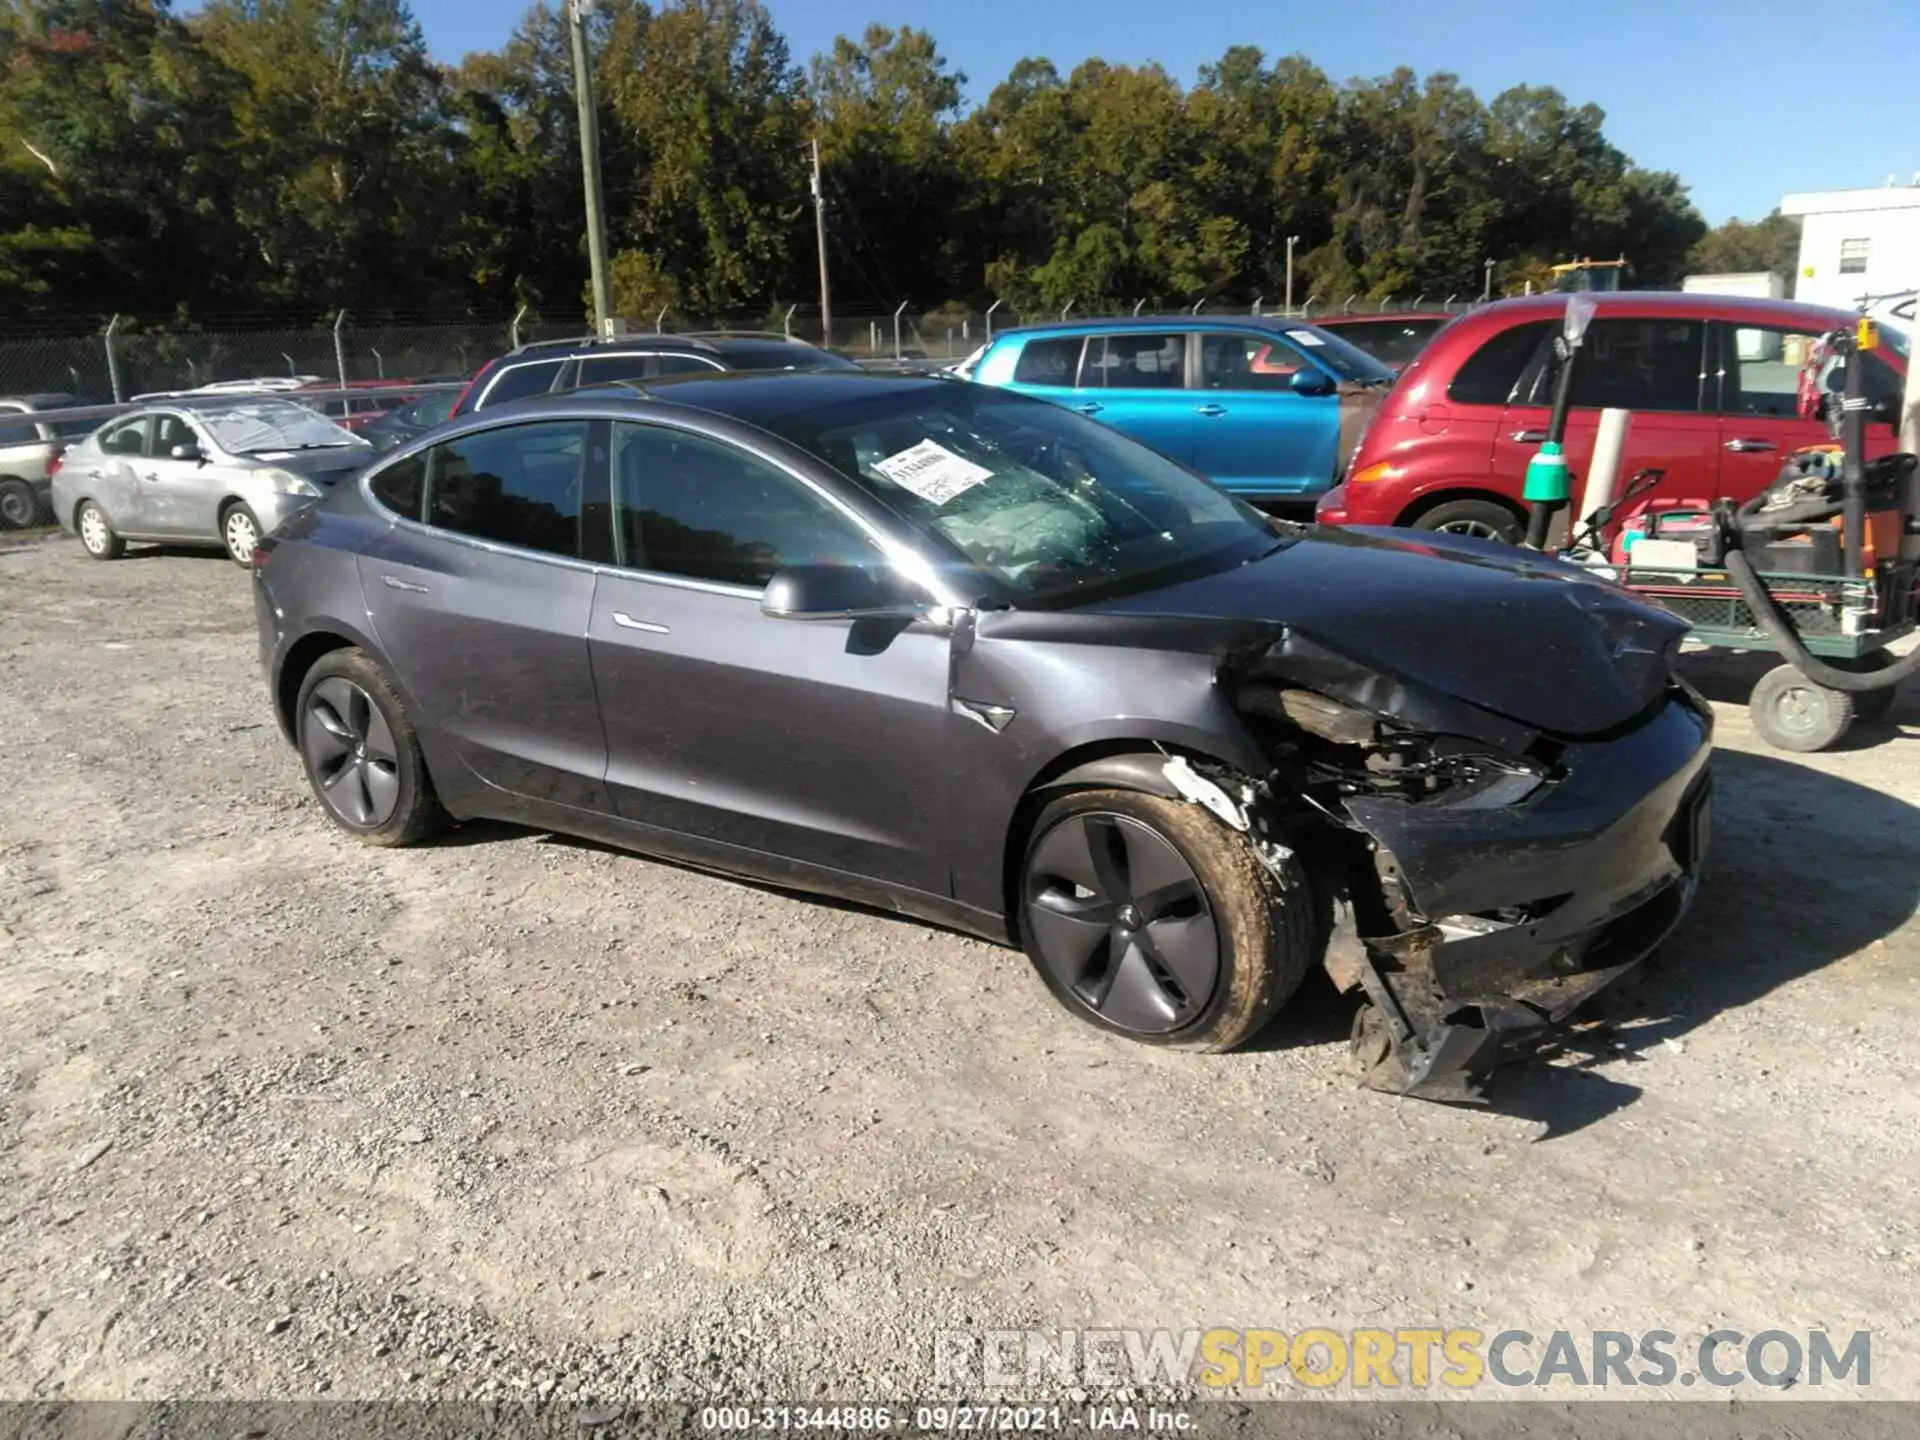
x: 514, y: 1115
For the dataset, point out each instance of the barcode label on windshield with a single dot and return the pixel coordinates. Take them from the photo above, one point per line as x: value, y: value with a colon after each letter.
x: 932, y: 472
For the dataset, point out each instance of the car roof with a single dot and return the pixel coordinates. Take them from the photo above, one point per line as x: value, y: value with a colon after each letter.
x: 1123, y: 324
x: 697, y: 342
x: 1690, y: 305
x: 46, y: 400
x: 753, y: 396
x: 1379, y: 317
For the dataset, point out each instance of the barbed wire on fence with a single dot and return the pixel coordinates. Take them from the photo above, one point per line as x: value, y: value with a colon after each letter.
x: 124, y: 359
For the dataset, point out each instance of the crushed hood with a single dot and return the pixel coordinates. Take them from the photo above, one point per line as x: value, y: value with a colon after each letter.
x: 1524, y: 636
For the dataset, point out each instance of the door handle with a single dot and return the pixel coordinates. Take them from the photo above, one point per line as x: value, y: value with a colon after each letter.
x: 151, y: 478
x: 1210, y: 410
x: 627, y: 622
x: 1529, y: 437
x: 1750, y: 446
x: 393, y: 582
x: 1092, y: 407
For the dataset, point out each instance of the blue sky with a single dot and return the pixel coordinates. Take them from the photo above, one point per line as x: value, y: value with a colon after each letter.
x: 1745, y: 99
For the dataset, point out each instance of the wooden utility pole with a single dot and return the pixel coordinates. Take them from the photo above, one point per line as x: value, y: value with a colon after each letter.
x: 820, y: 238
x: 577, y: 13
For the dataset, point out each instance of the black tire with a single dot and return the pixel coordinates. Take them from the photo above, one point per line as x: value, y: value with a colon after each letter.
x: 1122, y: 969
x: 97, y: 535
x: 361, y: 753
x: 1870, y: 705
x: 1487, y: 519
x: 239, y: 533
x: 20, y: 507
x: 1790, y: 712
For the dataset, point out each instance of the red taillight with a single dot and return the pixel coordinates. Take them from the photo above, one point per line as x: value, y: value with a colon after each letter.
x: 260, y: 554
x: 53, y: 464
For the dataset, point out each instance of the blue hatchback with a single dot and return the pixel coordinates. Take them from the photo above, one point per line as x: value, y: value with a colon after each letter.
x: 1266, y: 408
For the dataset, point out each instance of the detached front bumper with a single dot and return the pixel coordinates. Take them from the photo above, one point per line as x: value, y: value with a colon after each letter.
x: 1522, y: 915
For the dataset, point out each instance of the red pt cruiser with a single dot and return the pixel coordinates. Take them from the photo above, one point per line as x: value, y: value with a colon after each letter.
x: 1712, y: 380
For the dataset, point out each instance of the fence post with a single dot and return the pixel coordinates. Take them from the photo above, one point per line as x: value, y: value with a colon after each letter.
x: 990, y: 309
x: 786, y: 321
x: 1306, y: 310
x: 1138, y: 303
x: 896, y: 329
x: 1065, y: 308
x: 1418, y: 298
x: 380, y: 362
x: 1256, y: 303
x: 660, y: 321
x: 293, y: 370
x: 1347, y: 309
x: 513, y: 328
x: 340, y: 348
x: 1197, y: 304
x: 113, y: 361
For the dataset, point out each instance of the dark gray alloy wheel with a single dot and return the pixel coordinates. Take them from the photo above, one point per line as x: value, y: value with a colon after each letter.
x: 1120, y: 919
x: 350, y: 749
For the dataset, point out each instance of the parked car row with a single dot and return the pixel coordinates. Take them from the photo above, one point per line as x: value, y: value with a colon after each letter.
x: 1432, y: 430
x: 30, y: 452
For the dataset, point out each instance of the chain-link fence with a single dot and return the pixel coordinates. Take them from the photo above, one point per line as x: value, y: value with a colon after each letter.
x: 123, y: 359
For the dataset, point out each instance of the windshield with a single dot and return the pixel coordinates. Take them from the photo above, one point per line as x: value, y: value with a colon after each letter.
x: 1345, y: 359
x: 1056, y: 509
x: 264, y: 426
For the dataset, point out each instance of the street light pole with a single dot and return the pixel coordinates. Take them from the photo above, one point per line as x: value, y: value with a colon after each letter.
x: 1291, y: 240
x: 820, y: 240
x: 577, y: 13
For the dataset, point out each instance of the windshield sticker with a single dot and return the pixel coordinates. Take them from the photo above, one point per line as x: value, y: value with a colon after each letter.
x: 1305, y: 337
x: 932, y: 472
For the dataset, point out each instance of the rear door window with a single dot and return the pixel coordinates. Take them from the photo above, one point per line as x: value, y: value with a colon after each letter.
x: 519, y: 485
x: 1048, y: 362
x: 1631, y: 362
x: 129, y: 437
x: 1135, y: 362
x: 516, y: 382
x: 1491, y: 375
x: 1760, y: 369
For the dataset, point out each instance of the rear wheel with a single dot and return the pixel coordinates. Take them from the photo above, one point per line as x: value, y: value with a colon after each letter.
x: 97, y: 537
x: 362, y: 756
x: 19, y: 506
x: 1482, y: 519
x: 1793, y: 713
x: 1149, y: 918
x: 1870, y: 704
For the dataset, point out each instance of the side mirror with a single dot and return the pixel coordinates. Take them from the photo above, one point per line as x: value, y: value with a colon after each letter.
x: 186, y: 452
x: 838, y: 592
x: 1309, y: 381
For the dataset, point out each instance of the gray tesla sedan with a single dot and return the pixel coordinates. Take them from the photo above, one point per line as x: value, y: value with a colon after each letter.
x: 969, y: 656
x: 200, y: 470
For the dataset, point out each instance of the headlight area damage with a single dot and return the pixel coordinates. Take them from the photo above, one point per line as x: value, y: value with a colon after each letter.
x: 1478, y: 879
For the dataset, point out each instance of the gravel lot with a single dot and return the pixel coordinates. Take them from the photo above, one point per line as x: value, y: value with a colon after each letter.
x: 515, y: 1115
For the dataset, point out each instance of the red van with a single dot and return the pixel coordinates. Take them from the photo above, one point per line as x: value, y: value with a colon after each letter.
x: 1712, y: 380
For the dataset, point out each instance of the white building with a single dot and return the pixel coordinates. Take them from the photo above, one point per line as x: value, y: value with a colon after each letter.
x: 1857, y: 243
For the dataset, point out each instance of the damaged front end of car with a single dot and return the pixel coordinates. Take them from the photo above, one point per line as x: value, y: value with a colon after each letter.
x: 1480, y: 878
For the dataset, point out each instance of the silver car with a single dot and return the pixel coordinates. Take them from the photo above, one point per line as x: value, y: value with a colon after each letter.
x: 201, y: 470
x: 29, y: 450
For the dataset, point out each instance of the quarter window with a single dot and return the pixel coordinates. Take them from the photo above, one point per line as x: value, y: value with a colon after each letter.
x: 1048, y: 362
x: 402, y: 487
x: 1135, y: 362
x: 701, y: 509
x: 518, y: 485
x: 1492, y: 373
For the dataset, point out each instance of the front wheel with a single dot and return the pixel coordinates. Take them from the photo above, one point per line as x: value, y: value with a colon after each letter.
x: 361, y: 753
x: 1482, y: 519
x: 1149, y: 918
x: 241, y: 533
x: 1792, y: 713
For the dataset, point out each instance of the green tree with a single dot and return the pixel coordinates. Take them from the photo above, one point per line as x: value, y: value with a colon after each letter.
x: 1739, y: 248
